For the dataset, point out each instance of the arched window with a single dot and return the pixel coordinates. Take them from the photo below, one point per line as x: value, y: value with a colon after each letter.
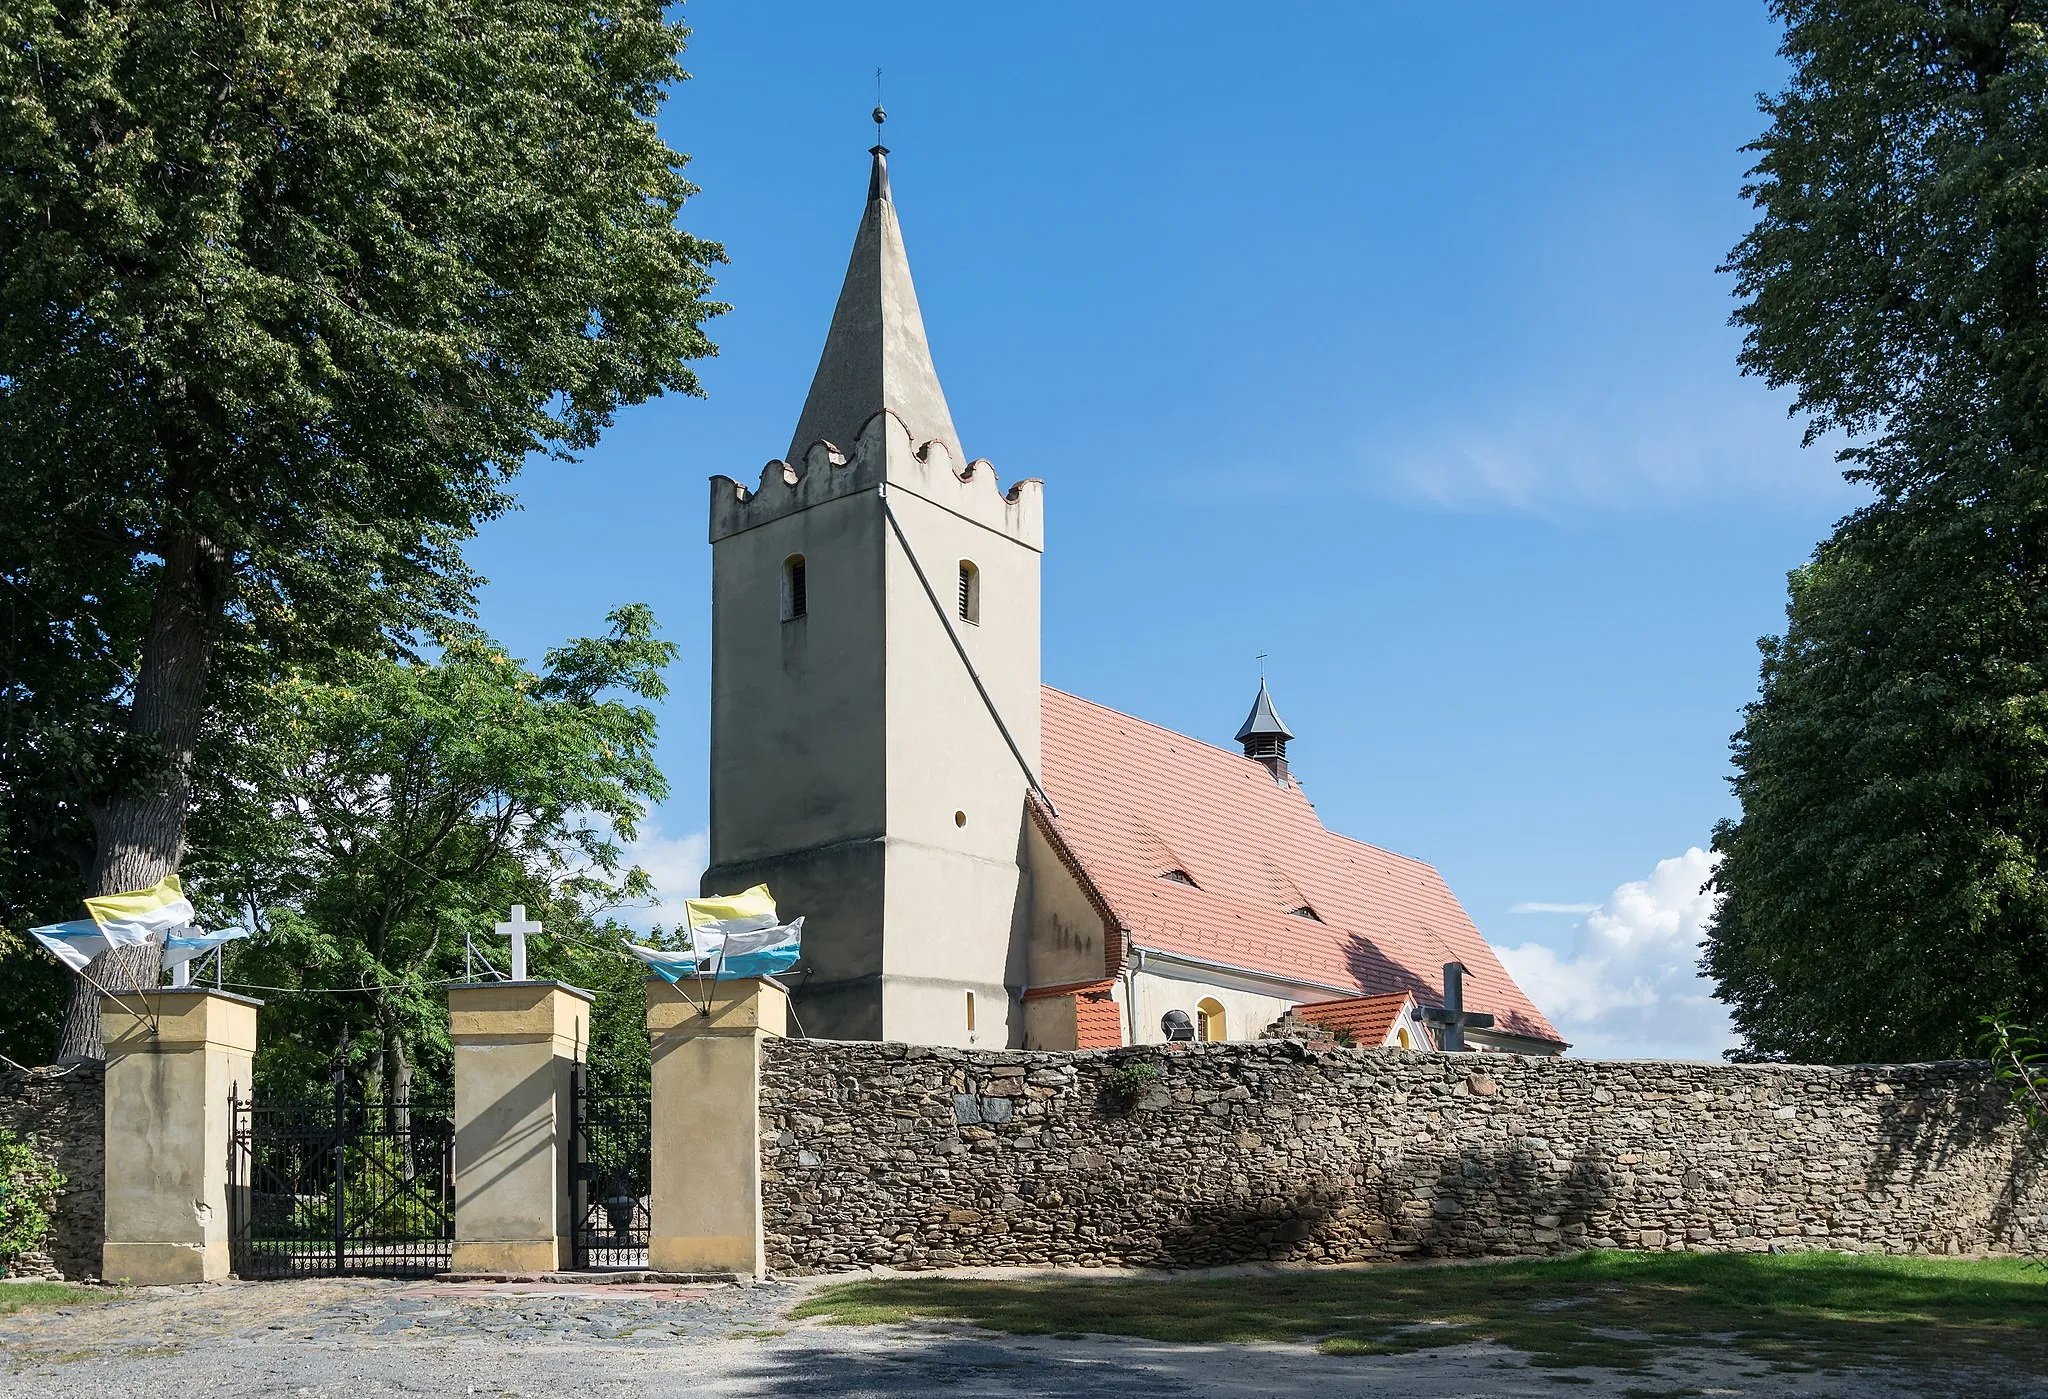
x: 970, y: 593
x: 1209, y: 1023
x: 1404, y: 1038
x: 795, y: 603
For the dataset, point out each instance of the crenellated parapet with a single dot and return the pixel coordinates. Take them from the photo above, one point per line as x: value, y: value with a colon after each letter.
x: 886, y: 451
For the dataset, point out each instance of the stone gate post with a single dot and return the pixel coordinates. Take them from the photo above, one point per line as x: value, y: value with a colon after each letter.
x: 174, y: 1056
x: 516, y: 1044
x: 705, y: 1215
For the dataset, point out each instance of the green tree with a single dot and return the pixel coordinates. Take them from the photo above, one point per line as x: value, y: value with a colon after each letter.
x: 1887, y: 882
x: 288, y: 291
x: 381, y: 816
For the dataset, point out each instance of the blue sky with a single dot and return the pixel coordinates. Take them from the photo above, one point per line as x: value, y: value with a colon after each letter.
x: 1383, y: 339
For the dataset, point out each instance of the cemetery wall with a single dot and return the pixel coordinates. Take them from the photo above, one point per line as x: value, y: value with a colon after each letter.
x: 59, y: 1113
x: 1194, y: 1155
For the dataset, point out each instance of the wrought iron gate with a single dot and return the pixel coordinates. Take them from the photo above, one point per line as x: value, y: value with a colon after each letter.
x: 335, y: 1185
x: 609, y: 1175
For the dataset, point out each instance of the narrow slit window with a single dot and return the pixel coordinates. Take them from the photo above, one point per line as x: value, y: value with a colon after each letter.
x: 795, y: 603
x: 970, y: 593
x: 970, y: 1012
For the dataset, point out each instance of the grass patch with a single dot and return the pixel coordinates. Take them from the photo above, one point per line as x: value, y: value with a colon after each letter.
x: 21, y: 1296
x: 1618, y: 1310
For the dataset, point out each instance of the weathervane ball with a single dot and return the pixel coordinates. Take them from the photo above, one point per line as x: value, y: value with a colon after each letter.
x: 880, y: 116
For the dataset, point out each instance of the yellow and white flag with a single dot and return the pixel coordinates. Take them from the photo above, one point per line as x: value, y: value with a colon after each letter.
x: 740, y: 935
x: 146, y: 915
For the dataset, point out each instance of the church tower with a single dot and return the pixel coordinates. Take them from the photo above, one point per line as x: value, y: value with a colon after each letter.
x: 874, y: 682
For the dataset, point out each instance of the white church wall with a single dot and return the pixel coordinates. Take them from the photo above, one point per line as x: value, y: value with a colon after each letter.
x: 798, y: 774
x: 1245, y: 1013
x: 1066, y: 931
x: 956, y: 794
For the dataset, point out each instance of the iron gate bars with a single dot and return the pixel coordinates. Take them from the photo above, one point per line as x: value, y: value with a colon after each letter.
x: 608, y: 1175
x: 339, y: 1185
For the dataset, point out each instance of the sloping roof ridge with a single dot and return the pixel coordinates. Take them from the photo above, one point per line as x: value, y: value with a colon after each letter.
x: 1382, y: 850
x: 1370, y: 997
x: 1161, y: 728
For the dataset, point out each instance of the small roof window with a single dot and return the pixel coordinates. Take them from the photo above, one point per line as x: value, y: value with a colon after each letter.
x: 1305, y: 912
x: 1181, y: 877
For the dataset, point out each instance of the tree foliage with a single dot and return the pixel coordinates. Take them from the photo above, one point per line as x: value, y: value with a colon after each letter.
x: 28, y: 1198
x: 288, y: 291
x: 1887, y: 882
x: 381, y: 818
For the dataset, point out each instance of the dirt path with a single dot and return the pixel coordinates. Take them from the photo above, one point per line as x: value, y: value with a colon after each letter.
x: 351, y: 1339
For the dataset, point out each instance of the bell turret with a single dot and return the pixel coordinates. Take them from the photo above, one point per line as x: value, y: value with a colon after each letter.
x: 1264, y: 736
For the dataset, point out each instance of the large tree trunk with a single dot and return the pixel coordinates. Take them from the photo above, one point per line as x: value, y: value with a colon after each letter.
x: 141, y: 828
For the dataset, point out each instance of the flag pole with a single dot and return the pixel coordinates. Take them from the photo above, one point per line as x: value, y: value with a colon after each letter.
x: 150, y: 1020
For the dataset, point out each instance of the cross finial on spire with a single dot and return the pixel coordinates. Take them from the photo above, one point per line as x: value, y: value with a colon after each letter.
x: 878, y: 176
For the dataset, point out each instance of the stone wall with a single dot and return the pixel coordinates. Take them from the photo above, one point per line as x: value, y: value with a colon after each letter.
x: 60, y: 1115
x: 1204, y: 1154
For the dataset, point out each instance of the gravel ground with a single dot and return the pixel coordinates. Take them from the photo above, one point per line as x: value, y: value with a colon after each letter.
x: 358, y: 1337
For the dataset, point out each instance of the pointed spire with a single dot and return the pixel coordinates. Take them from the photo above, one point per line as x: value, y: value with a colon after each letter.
x: 1264, y: 736
x: 876, y: 356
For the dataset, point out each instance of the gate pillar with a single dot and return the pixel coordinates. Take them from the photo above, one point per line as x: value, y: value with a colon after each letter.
x: 705, y: 1214
x: 516, y: 1044
x: 174, y: 1059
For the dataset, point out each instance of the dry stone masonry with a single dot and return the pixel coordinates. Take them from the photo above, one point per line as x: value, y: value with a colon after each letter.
x: 59, y: 1114
x: 919, y: 1157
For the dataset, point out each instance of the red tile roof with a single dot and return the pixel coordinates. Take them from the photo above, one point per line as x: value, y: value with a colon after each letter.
x: 1369, y: 1018
x: 1137, y: 801
x: 1098, y: 1021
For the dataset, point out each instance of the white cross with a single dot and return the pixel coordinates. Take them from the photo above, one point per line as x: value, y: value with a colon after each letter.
x: 517, y: 929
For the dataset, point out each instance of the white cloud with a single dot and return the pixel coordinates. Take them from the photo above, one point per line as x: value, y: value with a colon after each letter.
x: 1553, y: 908
x: 674, y: 863
x: 1573, y: 442
x: 1631, y: 988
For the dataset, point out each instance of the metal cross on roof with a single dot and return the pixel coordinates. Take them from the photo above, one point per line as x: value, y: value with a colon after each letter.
x: 1452, y: 1015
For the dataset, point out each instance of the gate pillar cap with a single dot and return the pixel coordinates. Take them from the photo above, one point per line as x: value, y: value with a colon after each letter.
x: 738, y: 1007
x: 504, y: 1011
x: 184, y: 1017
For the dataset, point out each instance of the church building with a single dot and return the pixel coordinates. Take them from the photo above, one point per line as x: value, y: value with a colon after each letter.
x: 980, y: 859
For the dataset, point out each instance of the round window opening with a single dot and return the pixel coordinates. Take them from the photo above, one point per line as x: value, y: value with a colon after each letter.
x: 959, y: 818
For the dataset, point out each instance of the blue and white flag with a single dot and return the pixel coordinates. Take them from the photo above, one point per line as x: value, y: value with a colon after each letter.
x: 74, y: 944
x: 740, y: 935
x: 757, y: 952
x: 184, y: 944
x: 731, y: 937
x: 669, y: 966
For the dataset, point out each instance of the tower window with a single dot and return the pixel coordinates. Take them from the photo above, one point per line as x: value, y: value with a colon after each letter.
x: 970, y: 1012
x: 794, y: 602
x: 1209, y: 1023
x: 970, y: 593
